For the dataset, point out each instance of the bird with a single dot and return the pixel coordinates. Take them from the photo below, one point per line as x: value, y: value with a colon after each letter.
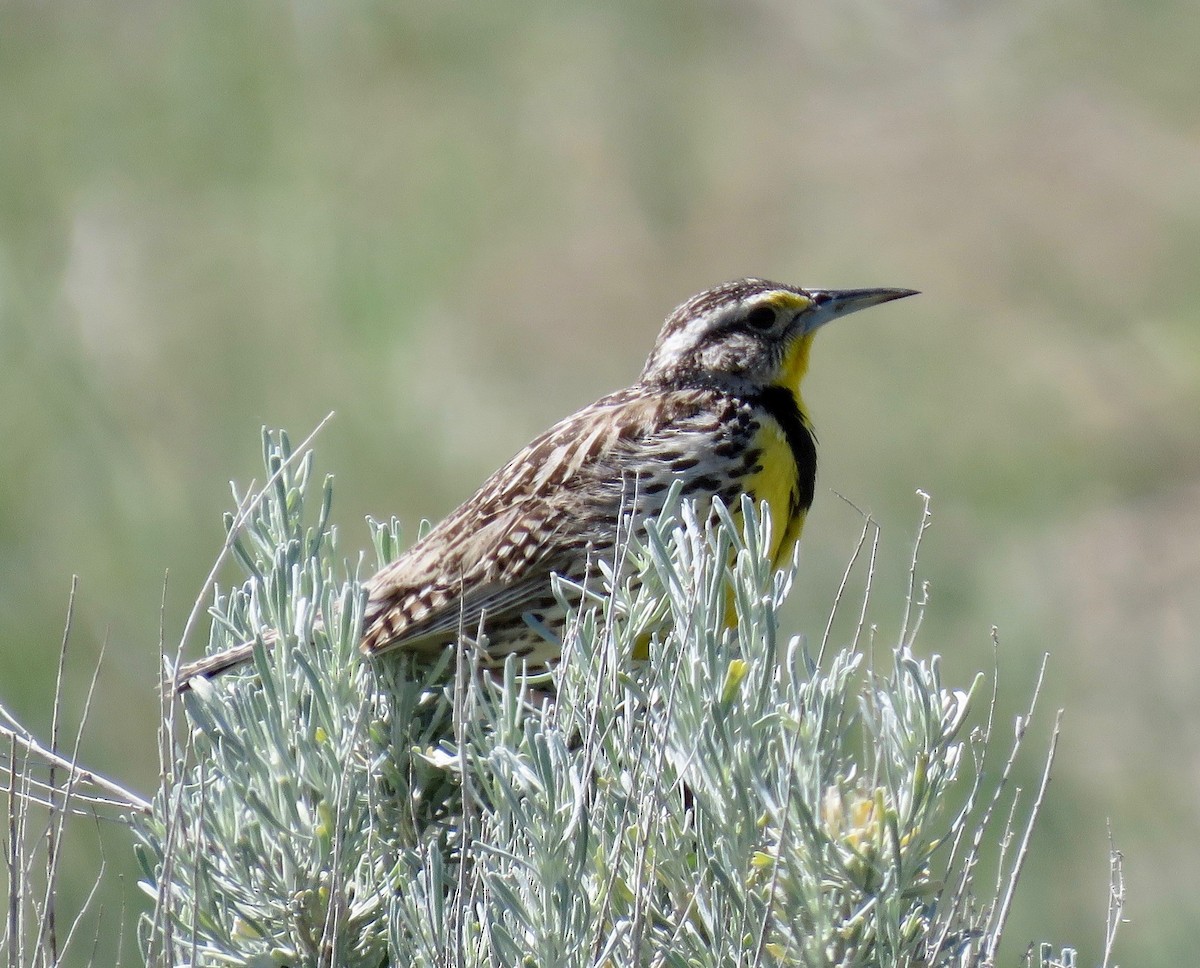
x: 717, y: 408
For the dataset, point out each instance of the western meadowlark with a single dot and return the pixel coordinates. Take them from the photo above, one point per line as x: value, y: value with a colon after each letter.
x: 717, y: 407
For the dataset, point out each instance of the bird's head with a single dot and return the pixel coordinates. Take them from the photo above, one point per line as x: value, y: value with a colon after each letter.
x: 751, y: 332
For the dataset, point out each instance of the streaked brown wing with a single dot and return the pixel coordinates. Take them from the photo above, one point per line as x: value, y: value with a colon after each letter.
x: 538, y: 514
x: 461, y: 569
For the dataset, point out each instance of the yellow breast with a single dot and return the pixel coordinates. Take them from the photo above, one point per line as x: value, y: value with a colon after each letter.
x: 778, y: 484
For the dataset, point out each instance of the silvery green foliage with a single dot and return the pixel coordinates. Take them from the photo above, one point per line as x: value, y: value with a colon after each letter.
x: 724, y: 803
x: 727, y: 802
x: 291, y: 823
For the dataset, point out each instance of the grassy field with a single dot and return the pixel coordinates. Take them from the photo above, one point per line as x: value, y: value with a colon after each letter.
x: 454, y: 223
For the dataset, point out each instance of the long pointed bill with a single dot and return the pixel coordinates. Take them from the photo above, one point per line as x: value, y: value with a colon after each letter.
x: 830, y: 304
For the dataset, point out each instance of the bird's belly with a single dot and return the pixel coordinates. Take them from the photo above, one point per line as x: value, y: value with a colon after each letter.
x: 778, y: 484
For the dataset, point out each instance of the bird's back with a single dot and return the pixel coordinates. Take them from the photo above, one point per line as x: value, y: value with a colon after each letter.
x: 557, y: 505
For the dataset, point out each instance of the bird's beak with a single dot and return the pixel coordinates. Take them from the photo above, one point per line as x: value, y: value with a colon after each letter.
x: 829, y: 304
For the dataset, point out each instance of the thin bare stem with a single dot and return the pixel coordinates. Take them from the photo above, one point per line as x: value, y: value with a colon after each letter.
x: 1116, y: 898
x: 49, y: 928
x: 862, y: 614
x: 26, y: 742
x: 12, y: 857
x: 926, y: 517
x: 960, y: 894
x: 1023, y: 851
x: 868, y: 524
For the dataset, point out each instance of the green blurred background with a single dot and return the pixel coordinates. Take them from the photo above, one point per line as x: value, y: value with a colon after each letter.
x: 453, y: 223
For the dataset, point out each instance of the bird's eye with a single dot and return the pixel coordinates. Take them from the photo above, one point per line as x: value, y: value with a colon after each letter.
x: 761, y: 318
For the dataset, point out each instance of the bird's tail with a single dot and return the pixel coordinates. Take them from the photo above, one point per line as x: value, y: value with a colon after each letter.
x: 217, y: 663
